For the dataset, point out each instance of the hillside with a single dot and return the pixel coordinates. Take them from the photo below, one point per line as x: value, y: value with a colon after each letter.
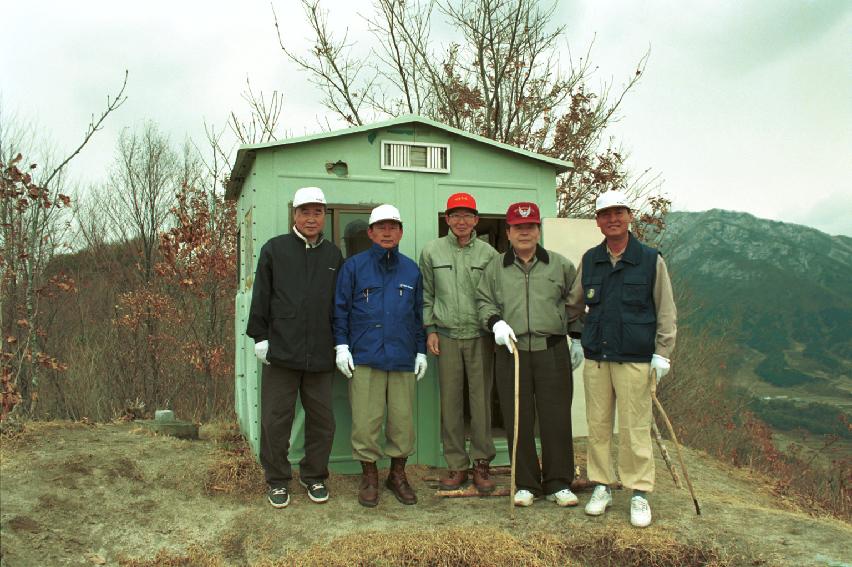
x: 783, y: 293
x: 111, y: 494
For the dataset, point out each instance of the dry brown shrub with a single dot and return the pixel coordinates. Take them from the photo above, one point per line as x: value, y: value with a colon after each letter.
x: 480, y: 547
x: 451, y: 548
x: 234, y: 470
x: 484, y: 547
x: 616, y: 546
x: 195, y: 556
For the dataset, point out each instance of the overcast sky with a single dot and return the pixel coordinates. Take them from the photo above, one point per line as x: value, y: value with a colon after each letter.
x: 745, y: 105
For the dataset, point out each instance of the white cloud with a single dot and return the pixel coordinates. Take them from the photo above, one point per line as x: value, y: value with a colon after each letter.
x: 743, y: 105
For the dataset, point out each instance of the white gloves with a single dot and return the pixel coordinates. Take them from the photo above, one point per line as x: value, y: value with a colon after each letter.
x: 344, y: 360
x: 503, y: 334
x: 420, y: 366
x: 577, y: 354
x: 260, y: 351
x: 661, y: 364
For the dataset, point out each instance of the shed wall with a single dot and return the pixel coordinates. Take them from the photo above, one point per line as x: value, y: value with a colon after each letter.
x: 497, y: 178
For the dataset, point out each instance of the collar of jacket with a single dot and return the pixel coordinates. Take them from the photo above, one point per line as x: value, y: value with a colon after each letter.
x: 632, y: 253
x: 387, y: 257
x: 540, y: 253
x: 305, y: 240
x: 455, y: 239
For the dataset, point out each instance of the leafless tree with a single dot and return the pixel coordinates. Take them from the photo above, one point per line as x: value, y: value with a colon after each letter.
x: 32, y: 221
x: 504, y: 77
x: 144, y: 180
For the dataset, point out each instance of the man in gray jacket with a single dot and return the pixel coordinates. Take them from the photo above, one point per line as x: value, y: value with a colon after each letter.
x: 451, y: 268
x: 524, y: 291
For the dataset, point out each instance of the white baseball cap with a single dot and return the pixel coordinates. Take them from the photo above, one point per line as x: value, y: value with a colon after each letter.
x: 385, y: 212
x: 308, y: 195
x: 611, y: 199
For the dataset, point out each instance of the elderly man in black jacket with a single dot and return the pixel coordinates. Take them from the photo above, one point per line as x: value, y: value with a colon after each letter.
x: 290, y: 321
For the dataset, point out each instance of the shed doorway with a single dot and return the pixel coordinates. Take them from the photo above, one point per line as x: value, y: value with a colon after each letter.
x: 491, y: 229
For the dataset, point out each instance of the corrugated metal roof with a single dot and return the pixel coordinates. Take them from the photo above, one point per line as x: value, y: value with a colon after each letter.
x: 246, y: 153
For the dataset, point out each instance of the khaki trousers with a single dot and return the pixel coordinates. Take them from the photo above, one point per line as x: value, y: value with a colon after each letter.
x: 370, y: 392
x: 474, y: 358
x: 624, y: 387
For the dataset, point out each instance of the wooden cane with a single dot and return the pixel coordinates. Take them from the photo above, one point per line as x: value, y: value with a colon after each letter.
x: 665, y: 453
x: 514, y: 430
x: 674, y: 438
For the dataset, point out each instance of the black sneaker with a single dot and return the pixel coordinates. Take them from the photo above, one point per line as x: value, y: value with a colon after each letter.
x: 316, y: 490
x: 278, y: 496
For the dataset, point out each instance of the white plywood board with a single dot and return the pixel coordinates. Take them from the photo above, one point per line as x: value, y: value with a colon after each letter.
x: 571, y: 238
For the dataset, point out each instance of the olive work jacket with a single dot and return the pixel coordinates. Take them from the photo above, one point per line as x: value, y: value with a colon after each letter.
x: 451, y: 274
x: 532, y: 301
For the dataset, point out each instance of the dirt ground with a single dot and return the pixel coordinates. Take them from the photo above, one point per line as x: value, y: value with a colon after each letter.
x: 79, y: 494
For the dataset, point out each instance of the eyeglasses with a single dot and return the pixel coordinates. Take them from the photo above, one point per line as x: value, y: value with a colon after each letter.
x: 462, y: 216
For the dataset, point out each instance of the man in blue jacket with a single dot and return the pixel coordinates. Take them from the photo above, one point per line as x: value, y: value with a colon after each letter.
x: 381, y: 347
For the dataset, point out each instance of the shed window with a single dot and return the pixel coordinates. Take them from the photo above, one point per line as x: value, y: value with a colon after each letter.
x: 412, y: 156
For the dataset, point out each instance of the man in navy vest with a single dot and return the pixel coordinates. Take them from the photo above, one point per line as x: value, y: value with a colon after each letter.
x: 628, y: 337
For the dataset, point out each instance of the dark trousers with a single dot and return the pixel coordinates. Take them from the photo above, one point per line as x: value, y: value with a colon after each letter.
x: 278, y: 391
x: 546, y: 389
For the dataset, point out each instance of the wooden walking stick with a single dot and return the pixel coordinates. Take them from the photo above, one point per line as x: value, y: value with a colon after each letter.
x: 512, y: 486
x: 665, y: 453
x: 674, y: 438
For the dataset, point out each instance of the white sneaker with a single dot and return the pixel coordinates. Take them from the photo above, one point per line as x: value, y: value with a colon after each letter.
x: 563, y: 498
x: 524, y: 498
x: 601, y: 500
x: 640, y: 512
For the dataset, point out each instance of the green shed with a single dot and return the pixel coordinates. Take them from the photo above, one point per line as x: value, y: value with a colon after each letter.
x: 411, y: 162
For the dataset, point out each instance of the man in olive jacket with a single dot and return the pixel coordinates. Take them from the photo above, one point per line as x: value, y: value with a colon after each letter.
x: 451, y: 268
x: 290, y: 321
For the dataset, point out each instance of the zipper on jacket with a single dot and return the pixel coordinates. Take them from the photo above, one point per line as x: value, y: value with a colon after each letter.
x: 529, y: 323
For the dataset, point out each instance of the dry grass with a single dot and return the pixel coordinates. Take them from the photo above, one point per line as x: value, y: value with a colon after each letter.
x: 16, y: 434
x: 234, y: 470
x: 195, y: 556
x: 483, y: 547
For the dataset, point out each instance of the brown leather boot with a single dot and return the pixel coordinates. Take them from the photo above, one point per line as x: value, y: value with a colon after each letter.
x: 368, y: 492
x: 453, y: 481
x: 481, y: 477
x: 398, y: 483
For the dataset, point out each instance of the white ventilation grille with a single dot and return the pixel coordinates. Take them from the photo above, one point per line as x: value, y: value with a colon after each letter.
x: 412, y: 156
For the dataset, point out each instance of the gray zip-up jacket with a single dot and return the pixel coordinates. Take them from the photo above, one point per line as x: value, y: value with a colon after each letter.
x: 451, y: 274
x: 531, y: 299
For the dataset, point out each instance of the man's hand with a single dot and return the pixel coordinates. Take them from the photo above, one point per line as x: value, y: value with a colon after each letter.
x: 420, y: 366
x: 661, y: 365
x: 433, y: 344
x: 260, y: 351
x: 344, y: 360
x: 503, y: 334
x: 577, y: 354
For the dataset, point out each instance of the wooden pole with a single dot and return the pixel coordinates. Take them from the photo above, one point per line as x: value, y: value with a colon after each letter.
x: 665, y: 453
x: 674, y: 438
x: 512, y: 486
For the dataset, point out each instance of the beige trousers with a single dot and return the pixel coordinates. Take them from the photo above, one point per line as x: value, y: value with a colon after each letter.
x: 370, y: 392
x: 626, y: 388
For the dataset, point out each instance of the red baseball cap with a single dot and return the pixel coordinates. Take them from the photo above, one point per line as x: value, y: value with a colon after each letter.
x: 461, y: 201
x: 522, y: 213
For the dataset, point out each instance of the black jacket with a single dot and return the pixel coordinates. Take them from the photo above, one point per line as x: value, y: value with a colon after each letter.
x: 292, y: 302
